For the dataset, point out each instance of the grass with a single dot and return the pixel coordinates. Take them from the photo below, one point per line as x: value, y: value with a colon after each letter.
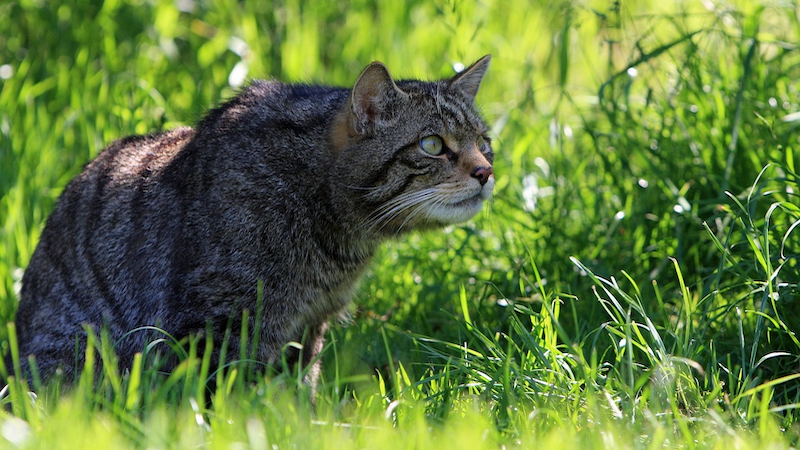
x: 634, y: 283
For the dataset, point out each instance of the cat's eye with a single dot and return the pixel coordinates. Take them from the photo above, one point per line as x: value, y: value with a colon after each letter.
x: 483, y: 145
x: 432, y: 145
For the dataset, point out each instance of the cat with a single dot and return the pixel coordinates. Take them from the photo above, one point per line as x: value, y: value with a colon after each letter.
x: 284, y: 191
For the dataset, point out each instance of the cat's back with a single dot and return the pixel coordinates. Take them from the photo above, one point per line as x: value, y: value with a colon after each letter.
x: 100, y: 223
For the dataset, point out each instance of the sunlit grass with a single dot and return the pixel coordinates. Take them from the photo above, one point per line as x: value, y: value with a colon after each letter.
x: 633, y: 284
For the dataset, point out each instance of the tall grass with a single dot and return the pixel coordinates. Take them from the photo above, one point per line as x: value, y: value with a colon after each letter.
x: 633, y: 284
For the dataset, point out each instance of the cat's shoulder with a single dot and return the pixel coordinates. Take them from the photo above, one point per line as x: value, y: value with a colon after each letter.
x: 273, y: 103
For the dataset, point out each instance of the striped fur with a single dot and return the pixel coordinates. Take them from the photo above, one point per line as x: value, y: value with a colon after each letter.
x: 293, y: 185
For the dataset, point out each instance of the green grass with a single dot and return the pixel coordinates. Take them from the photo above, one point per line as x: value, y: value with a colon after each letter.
x: 634, y: 283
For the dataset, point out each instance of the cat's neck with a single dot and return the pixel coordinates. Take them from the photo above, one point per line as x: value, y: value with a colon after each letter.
x: 339, y: 229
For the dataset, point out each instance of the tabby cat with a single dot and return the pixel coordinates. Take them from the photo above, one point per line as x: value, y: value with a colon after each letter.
x: 286, y: 189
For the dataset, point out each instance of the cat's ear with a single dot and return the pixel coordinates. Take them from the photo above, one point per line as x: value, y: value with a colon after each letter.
x: 469, y: 80
x: 373, y: 96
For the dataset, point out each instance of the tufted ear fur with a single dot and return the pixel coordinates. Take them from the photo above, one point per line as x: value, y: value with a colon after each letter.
x: 469, y: 80
x: 373, y: 96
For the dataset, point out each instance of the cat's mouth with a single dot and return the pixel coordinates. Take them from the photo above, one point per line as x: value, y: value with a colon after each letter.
x: 465, y: 208
x: 460, y: 206
x: 462, y: 210
x: 483, y: 193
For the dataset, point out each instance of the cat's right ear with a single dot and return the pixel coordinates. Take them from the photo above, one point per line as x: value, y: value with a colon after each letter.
x: 469, y: 80
x: 372, y: 97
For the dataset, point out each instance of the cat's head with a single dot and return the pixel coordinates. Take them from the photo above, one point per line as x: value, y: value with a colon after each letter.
x: 413, y: 154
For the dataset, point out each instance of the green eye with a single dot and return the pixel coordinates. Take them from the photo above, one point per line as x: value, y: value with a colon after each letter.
x: 432, y: 145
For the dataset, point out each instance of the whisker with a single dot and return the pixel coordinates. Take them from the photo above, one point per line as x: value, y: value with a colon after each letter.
x: 404, y: 198
x: 387, y: 214
x: 409, y: 217
x: 439, y: 203
x: 436, y: 201
x: 394, y: 207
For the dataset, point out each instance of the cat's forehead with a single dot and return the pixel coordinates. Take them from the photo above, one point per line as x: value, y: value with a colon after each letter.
x: 455, y: 111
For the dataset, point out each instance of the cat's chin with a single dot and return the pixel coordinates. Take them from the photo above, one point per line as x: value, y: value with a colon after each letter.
x: 462, y: 209
x: 456, y: 212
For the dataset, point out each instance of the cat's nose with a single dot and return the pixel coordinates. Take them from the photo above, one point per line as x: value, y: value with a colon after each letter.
x: 482, y: 174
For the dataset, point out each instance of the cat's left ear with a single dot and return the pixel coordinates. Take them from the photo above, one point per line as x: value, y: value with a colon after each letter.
x: 469, y: 80
x: 373, y: 96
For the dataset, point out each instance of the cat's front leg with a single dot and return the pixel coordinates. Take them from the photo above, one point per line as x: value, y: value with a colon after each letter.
x: 314, y: 341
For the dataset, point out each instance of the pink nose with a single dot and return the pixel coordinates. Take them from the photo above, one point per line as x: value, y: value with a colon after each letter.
x: 482, y: 174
